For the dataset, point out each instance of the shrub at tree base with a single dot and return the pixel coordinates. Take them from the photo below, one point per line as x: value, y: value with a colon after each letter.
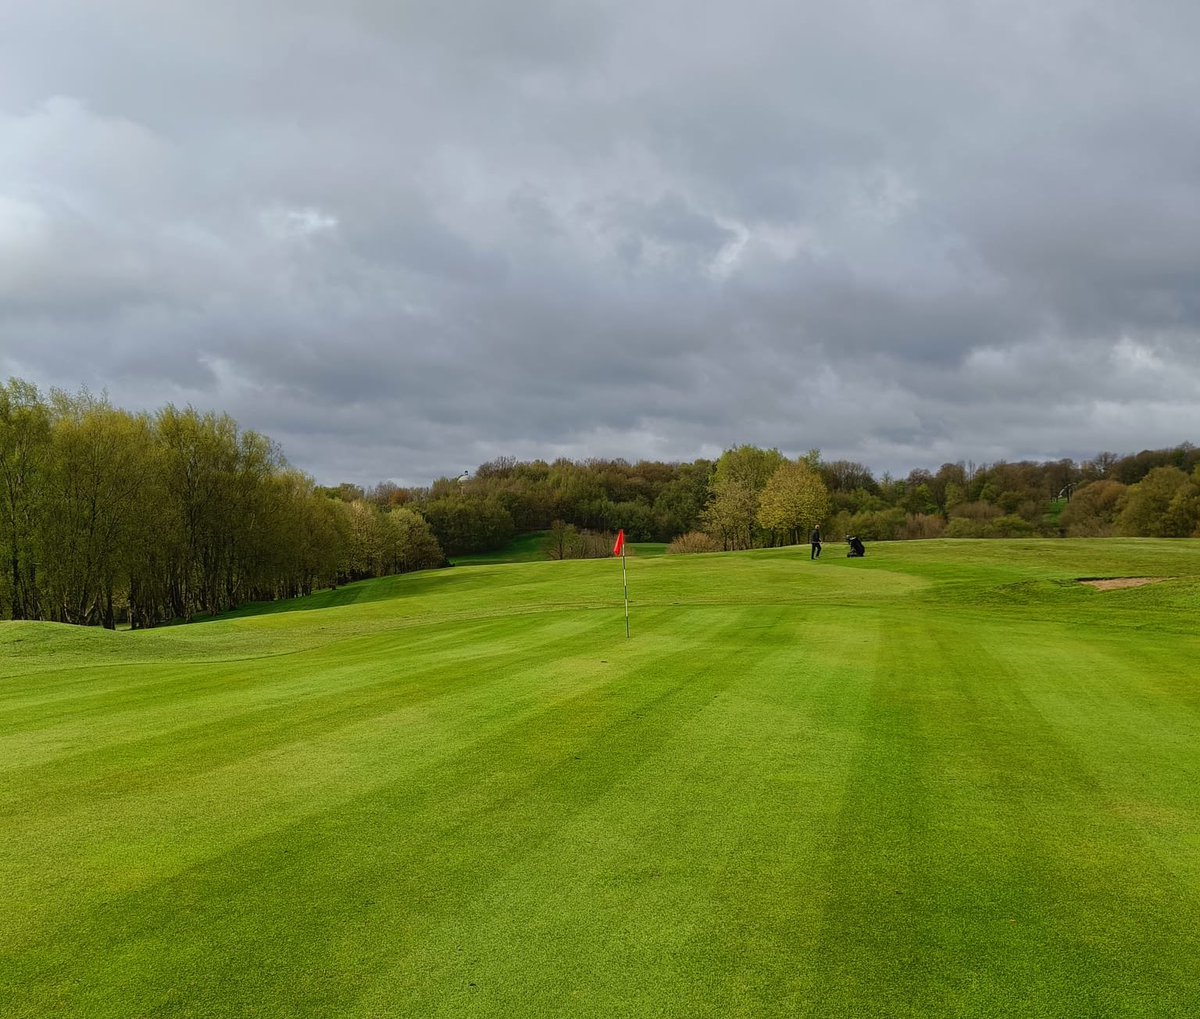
x: 873, y: 525
x: 922, y: 525
x: 693, y: 541
x: 565, y: 541
x: 999, y: 527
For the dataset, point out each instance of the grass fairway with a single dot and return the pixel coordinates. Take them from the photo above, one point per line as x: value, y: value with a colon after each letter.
x: 946, y: 780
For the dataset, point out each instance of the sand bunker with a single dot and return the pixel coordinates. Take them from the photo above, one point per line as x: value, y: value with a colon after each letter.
x: 1114, y: 583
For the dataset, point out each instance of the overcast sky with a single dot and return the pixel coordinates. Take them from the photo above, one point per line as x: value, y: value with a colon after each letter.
x: 403, y: 238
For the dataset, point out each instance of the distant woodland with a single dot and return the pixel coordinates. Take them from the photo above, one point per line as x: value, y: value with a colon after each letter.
x: 109, y: 517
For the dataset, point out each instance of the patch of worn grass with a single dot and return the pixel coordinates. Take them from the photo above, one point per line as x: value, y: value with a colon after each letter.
x: 943, y: 780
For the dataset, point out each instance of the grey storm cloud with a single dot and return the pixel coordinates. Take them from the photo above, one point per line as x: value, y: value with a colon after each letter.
x: 404, y: 238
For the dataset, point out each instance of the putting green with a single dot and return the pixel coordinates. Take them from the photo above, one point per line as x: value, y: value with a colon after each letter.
x: 946, y: 780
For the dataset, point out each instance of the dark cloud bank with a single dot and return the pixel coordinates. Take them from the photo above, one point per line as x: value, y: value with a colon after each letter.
x: 404, y: 238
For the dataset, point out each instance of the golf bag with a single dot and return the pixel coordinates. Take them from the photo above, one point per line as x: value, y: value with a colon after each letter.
x: 857, y: 550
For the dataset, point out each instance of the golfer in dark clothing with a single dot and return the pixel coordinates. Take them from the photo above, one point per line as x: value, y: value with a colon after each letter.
x: 815, y: 538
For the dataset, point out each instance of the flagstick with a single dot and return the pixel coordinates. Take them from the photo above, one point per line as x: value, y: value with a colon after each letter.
x: 625, y: 578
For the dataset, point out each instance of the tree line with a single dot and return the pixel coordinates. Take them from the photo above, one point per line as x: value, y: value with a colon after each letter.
x: 752, y: 497
x: 108, y: 516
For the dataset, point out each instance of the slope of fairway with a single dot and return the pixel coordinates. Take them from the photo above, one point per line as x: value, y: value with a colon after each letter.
x: 946, y: 780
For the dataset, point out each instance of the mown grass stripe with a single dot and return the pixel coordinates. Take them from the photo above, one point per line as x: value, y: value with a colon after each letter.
x: 467, y: 793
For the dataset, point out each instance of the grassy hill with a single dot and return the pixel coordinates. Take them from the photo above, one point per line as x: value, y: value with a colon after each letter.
x: 946, y: 780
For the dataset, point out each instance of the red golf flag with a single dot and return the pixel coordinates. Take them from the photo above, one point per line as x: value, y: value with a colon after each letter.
x: 619, y: 547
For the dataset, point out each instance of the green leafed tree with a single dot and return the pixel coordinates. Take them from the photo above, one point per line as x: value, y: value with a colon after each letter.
x: 464, y: 524
x: 96, y: 473
x: 1183, y: 513
x: 730, y: 514
x: 410, y: 542
x: 24, y: 447
x: 561, y: 541
x: 748, y: 465
x: 794, y: 501
x: 1146, y: 506
x: 738, y: 479
x: 1093, y: 509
